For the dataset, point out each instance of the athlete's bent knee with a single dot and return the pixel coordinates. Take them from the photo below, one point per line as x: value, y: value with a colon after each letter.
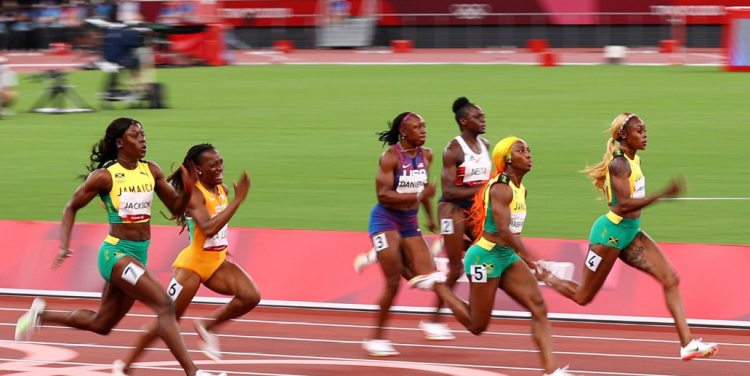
x: 101, y: 329
x: 454, y: 272
x: 477, y: 329
x: 584, y: 300
x: 537, y: 307
x: 165, y: 305
x: 249, y: 300
x: 672, y: 280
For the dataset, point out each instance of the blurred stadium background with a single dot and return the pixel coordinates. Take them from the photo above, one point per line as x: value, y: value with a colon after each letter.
x: 295, y: 91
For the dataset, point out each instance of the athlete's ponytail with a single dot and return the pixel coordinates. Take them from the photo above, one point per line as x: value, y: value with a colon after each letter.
x: 393, y: 135
x: 460, y: 107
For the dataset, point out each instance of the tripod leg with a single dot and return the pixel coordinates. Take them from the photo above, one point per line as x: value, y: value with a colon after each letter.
x: 44, y: 99
x: 77, y: 99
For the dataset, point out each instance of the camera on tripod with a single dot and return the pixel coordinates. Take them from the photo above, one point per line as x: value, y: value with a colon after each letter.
x: 55, y: 94
x: 128, y: 64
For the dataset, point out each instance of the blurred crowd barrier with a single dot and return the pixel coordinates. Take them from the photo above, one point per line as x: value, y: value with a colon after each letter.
x: 314, y: 269
x: 376, y: 23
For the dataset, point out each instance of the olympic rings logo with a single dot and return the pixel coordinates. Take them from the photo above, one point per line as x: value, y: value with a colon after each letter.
x: 470, y: 11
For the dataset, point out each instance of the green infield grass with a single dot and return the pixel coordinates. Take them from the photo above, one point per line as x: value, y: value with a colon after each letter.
x: 307, y: 137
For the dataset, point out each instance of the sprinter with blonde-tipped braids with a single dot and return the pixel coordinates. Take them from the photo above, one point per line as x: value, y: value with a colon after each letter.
x: 498, y: 259
x: 618, y: 234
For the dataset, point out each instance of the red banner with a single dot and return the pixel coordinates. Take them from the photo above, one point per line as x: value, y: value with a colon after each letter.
x: 296, y: 13
x: 316, y: 267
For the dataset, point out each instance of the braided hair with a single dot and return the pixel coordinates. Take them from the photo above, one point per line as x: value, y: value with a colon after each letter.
x: 393, y: 135
x: 193, y: 157
x: 106, y: 149
x: 460, y: 108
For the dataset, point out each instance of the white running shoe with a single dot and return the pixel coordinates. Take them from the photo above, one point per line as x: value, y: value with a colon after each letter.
x: 435, y: 331
x: 379, y: 347
x: 427, y: 281
x: 560, y: 372
x: 364, y: 260
x: 698, y: 349
x: 437, y: 246
x: 208, y: 342
x: 204, y: 373
x: 30, y: 322
x: 118, y: 368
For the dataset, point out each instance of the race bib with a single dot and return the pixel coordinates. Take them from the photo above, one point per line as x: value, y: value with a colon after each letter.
x: 135, y: 206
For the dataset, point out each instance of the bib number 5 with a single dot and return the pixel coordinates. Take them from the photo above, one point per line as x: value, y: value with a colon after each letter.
x: 478, y: 273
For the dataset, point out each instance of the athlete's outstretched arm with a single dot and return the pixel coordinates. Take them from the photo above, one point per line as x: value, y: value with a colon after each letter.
x: 175, y: 201
x: 96, y: 183
x: 210, y: 226
x: 619, y: 171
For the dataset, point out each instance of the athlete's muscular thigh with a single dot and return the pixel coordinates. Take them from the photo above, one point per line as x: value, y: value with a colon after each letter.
x: 452, y: 227
x: 451, y: 219
x: 644, y: 254
x: 635, y: 254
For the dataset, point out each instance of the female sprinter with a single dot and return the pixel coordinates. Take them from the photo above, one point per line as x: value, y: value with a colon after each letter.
x: 498, y: 259
x: 401, y: 185
x: 618, y: 234
x: 466, y: 168
x: 126, y: 185
x: 204, y: 261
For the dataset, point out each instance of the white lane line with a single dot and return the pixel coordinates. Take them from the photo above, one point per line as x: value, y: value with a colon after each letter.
x: 356, y: 359
x: 351, y: 326
x: 467, y: 348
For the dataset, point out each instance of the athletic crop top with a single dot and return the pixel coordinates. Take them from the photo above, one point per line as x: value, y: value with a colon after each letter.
x: 636, y: 179
x: 215, y: 203
x: 517, y: 206
x: 132, y: 193
x: 475, y: 170
x: 411, y: 175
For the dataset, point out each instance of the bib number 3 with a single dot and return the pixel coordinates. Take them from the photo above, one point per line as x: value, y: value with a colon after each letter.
x: 380, y: 242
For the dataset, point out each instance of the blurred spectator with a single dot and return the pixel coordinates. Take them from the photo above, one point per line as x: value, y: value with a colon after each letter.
x: 169, y: 13
x: 73, y: 15
x: 129, y: 11
x: 4, y: 28
x: 50, y: 24
x: 8, y: 83
x: 104, y: 10
x: 22, y: 31
x: 340, y: 11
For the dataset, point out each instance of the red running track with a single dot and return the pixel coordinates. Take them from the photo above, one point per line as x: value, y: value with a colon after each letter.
x: 304, y: 342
